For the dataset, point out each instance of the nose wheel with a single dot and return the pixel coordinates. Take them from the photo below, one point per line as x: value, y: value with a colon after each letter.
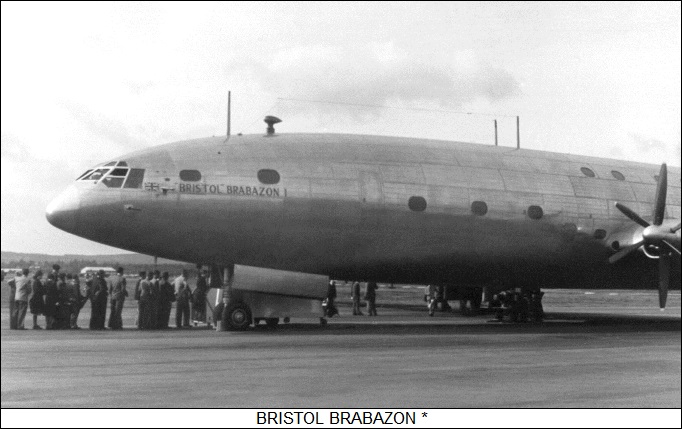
x: 237, y: 317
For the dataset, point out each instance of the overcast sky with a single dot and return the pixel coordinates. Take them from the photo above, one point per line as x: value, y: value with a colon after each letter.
x: 85, y: 82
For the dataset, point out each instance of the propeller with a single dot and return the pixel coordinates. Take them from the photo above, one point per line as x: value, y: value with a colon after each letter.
x: 654, y: 236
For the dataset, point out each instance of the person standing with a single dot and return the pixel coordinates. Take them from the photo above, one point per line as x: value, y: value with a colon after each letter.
x: 117, y: 294
x: 371, y: 298
x: 432, y: 296
x: 142, y: 275
x: 183, y: 295
x: 166, y: 298
x: 12, y: 283
x: 355, y: 294
x: 55, y: 271
x: 199, y: 298
x: 155, y: 299
x: 37, y: 302
x: 145, y: 303
x: 63, y: 317
x: 51, y: 301
x: 23, y: 285
x: 98, y: 301
x: 536, y: 312
x: 331, y: 298
x: 76, y: 301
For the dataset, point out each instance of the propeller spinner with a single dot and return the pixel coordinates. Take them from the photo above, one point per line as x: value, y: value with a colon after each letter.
x: 654, y: 236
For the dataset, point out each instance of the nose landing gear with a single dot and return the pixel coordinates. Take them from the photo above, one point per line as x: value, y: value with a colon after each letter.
x: 237, y: 316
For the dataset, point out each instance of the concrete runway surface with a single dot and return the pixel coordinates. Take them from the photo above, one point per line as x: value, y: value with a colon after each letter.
x: 587, y: 354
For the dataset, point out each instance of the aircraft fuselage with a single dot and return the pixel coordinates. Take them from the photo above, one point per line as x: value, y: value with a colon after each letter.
x: 374, y: 208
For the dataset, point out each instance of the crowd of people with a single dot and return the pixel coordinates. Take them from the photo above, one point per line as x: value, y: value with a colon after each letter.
x: 59, y: 298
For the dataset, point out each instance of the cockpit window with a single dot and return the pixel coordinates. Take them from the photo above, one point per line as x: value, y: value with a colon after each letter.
x: 110, y: 164
x: 97, y: 174
x: 113, y: 182
x: 119, y: 172
x: 83, y: 175
x: 115, y: 178
x: 135, y: 178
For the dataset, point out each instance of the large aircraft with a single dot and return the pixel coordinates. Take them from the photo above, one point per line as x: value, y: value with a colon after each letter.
x: 276, y: 215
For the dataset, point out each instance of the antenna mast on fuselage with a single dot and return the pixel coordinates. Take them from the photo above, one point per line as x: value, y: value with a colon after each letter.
x: 229, y: 111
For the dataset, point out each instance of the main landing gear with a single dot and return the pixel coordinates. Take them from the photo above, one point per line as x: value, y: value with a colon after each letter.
x: 518, y: 306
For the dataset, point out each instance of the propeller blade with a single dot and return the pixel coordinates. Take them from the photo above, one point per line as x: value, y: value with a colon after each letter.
x: 663, y: 278
x: 661, y: 194
x: 676, y: 228
x: 673, y: 248
x: 631, y: 214
x: 625, y: 252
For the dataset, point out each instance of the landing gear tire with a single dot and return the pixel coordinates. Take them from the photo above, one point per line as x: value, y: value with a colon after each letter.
x: 237, y: 317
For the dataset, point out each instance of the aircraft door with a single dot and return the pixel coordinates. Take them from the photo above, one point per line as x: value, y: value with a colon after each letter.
x: 370, y: 188
x: 372, y: 200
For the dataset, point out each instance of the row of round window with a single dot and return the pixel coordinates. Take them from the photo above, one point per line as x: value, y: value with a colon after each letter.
x: 271, y: 177
x: 479, y: 208
x: 615, y: 173
x: 265, y: 176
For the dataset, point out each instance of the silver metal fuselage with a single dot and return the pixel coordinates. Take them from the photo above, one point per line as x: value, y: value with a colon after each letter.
x: 341, y: 208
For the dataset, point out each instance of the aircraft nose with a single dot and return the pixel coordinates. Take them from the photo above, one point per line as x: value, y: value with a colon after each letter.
x: 61, y: 212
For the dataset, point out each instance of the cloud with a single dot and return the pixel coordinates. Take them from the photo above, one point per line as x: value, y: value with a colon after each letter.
x: 382, y: 74
x: 14, y: 149
x: 102, y: 126
x: 643, y: 144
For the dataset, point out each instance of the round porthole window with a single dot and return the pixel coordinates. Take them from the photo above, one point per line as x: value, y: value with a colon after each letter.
x: 618, y: 175
x: 190, y: 175
x: 535, y: 212
x: 417, y: 204
x: 479, y: 208
x: 587, y: 172
x: 268, y: 177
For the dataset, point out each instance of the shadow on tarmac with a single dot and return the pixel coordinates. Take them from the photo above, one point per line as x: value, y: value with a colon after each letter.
x: 577, y: 323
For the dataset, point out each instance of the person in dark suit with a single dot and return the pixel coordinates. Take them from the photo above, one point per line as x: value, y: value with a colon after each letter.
x: 51, y: 301
x: 331, y: 298
x: 199, y: 298
x: 371, y: 298
x: 37, y: 302
x: 142, y: 276
x: 156, y: 299
x: 64, y: 308
x: 76, y: 301
x: 166, y: 299
x: 98, y: 300
x: 355, y: 293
